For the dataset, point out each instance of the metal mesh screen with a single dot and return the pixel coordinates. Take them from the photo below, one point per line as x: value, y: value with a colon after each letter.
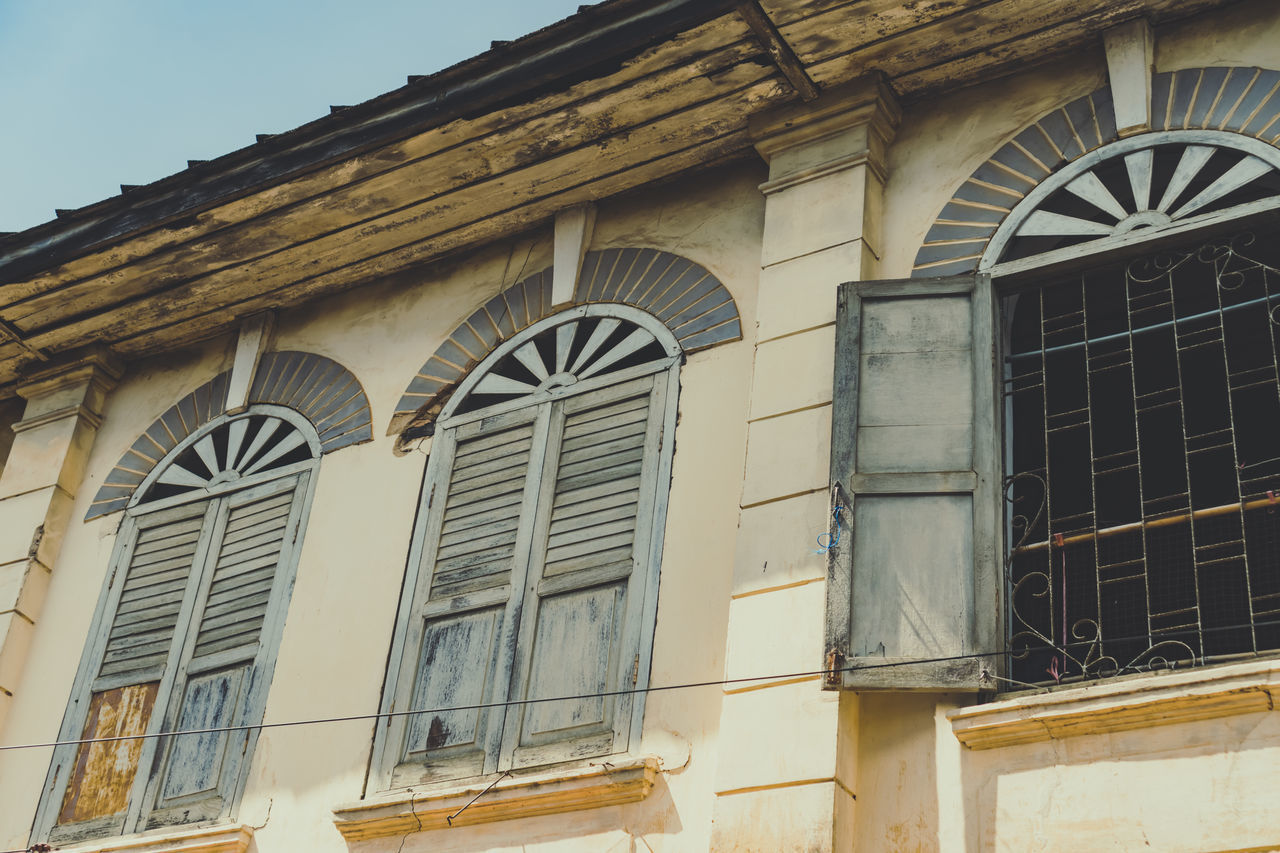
x: 1142, y: 400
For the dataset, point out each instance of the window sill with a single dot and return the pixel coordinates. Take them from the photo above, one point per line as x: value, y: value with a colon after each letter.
x: 1137, y: 702
x: 211, y: 839
x: 626, y: 780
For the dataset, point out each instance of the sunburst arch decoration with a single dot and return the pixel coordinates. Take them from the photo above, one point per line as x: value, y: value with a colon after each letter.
x: 691, y: 302
x: 317, y: 388
x: 1066, y: 179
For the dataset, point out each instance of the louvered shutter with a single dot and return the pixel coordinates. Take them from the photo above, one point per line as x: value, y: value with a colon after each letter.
x: 914, y: 454
x: 222, y: 679
x: 153, y: 590
x: 460, y: 636
x: 580, y: 622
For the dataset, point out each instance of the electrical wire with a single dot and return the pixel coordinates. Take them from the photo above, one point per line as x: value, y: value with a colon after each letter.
x: 724, y: 682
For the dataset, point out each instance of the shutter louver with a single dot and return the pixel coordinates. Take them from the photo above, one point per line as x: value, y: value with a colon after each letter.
x: 478, y: 532
x: 243, y: 575
x: 593, y: 516
x: 142, y: 630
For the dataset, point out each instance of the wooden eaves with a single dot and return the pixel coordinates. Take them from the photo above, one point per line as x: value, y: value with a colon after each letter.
x: 622, y: 94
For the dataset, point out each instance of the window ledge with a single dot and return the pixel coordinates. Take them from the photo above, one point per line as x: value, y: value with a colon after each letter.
x: 1150, y: 699
x: 627, y: 780
x: 211, y: 839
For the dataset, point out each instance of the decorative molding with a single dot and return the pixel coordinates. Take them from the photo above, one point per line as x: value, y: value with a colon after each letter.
x: 1130, y: 50
x: 320, y: 389
x: 215, y: 839
x: 252, y: 340
x: 1122, y: 704
x: 594, y: 786
x: 684, y: 295
x: 1236, y: 100
x: 574, y: 226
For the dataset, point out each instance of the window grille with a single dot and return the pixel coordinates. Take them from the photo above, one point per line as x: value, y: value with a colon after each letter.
x: 1144, y: 489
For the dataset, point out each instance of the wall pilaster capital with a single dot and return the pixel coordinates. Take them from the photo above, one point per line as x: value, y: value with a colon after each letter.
x: 849, y: 125
x: 81, y: 378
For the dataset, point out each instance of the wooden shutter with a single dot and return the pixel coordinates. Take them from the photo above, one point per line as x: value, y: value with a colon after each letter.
x: 580, y: 624
x: 221, y: 681
x: 460, y: 637
x: 915, y: 577
x: 150, y: 593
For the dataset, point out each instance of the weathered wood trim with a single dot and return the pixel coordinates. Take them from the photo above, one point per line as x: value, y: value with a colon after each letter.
x: 215, y: 839
x: 1130, y: 51
x: 915, y: 483
x: 626, y: 780
x: 1125, y: 704
x: 981, y: 482
x: 574, y: 226
x: 784, y: 57
x: 250, y: 343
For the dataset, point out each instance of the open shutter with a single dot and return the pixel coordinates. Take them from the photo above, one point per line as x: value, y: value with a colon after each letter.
x: 580, y: 627
x: 914, y: 461
x: 460, y: 640
x: 150, y: 593
x: 222, y: 682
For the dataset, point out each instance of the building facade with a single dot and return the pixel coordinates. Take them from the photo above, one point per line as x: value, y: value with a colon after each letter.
x: 693, y: 426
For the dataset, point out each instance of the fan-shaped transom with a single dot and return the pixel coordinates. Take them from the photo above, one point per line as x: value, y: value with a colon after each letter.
x: 260, y: 442
x: 576, y: 350
x: 1145, y: 182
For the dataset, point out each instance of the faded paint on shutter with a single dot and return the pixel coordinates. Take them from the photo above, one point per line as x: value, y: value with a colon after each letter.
x: 582, y: 604
x: 477, y: 542
x: 199, y: 769
x: 914, y: 450
x: 104, y: 772
x: 138, y: 646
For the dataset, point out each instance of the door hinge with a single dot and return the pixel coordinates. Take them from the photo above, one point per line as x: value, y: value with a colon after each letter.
x: 635, y: 671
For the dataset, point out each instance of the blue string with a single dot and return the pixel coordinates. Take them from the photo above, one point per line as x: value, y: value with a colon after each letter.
x: 832, y: 541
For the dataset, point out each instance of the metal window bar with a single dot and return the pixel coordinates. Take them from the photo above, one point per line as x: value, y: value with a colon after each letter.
x: 1135, y: 395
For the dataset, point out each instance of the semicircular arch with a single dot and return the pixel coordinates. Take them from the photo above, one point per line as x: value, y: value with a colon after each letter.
x: 1231, y: 101
x: 683, y: 295
x: 320, y: 389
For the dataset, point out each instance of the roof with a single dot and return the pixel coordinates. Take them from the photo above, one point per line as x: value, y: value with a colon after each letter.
x: 619, y: 95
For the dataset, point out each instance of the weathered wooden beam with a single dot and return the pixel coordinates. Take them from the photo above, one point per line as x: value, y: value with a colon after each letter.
x: 783, y: 56
x: 552, y: 57
x: 310, y: 202
x: 285, y: 255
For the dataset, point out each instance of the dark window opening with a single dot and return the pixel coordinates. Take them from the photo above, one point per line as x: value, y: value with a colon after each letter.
x: 1144, y: 463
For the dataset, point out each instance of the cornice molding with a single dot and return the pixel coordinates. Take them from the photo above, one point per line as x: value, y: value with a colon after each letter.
x: 594, y: 786
x: 215, y: 839
x: 1126, y: 704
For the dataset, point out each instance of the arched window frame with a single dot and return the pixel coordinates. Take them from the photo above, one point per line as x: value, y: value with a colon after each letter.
x: 888, y: 602
x: 631, y: 669
x: 144, y: 801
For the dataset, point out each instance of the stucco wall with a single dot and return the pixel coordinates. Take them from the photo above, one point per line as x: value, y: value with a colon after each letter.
x: 333, y: 653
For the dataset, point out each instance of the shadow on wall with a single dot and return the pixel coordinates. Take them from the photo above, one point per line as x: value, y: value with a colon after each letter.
x: 1202, y: 786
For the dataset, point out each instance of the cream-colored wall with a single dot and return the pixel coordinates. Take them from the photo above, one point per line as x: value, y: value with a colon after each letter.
x: 333, y: 654
x: 1210, y: 786
x: 1190, y: 786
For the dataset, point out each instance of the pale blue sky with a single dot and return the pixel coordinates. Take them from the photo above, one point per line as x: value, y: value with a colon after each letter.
x: 98, y: 93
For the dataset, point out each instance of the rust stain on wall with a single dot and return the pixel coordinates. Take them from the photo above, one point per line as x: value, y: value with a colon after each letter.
x: 104, y: 772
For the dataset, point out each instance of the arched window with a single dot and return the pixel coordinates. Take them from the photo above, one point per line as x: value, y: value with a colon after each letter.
x: 534, y: 567
x: 185, y: 632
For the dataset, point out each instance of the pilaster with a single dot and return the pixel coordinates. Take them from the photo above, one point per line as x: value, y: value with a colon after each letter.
x: 822, y: 227
x: 38, y: 485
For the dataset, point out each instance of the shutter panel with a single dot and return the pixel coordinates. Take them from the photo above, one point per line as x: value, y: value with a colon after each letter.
x: 254, y: 538
x: 914, y: 453
x: 147, y: 609
x: 476, y: 547
x: 580, y: 623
